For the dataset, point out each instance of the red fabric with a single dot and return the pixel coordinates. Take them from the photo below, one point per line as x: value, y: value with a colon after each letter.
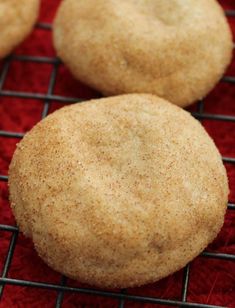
x: 211, y: 281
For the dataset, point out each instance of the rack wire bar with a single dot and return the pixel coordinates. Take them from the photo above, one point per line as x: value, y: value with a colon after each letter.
x: 8, y: 259
x: 122, y: 301
x: 8, y: 228
x: 185, y: 283
x: 145, y: 299
x: 4, y: 133
x: 218, y: 255
x: 50, y: 89
x: 4, y: 178
x: 60, y: 295
x: 231, y: 206
x: 4, y: 73
x: 37, y: 59
x: 40, y: 96
x: 230, y: 160
x: 47, y: 98
x: 230, y: 13
x: 44, y: 25
x: 216, y: 117
x: 228, y: 79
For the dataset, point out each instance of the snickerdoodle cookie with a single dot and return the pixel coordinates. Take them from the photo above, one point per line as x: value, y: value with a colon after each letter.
x: 17, y: 18
x: 120, y: 191
x: 176, y: 49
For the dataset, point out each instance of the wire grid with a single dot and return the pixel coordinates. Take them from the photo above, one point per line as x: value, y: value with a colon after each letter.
x: 47, y: 98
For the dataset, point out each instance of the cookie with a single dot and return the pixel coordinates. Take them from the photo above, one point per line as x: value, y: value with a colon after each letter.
x: 17, y: 18
x: 120, y: 191
x: 175, y: 49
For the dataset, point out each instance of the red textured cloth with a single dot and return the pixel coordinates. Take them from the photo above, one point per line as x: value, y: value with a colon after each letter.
x: 212, y: 281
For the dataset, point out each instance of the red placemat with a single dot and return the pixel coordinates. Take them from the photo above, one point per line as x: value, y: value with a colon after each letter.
x: 211, y: 276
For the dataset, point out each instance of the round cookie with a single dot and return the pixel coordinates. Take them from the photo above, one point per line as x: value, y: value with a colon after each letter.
x: 176, y: 49
x: 118, y: 192
x: 17, y: 18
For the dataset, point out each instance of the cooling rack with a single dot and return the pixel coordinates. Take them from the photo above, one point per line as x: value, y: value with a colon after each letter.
x: 122, y: 297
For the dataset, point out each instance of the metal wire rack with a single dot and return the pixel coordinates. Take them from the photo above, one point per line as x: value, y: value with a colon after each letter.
x: 61, y: 288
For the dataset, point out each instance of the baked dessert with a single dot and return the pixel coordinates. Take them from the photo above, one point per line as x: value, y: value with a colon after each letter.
x: 17, y: 18
x: 176, y: 49
x: 120, y: 191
